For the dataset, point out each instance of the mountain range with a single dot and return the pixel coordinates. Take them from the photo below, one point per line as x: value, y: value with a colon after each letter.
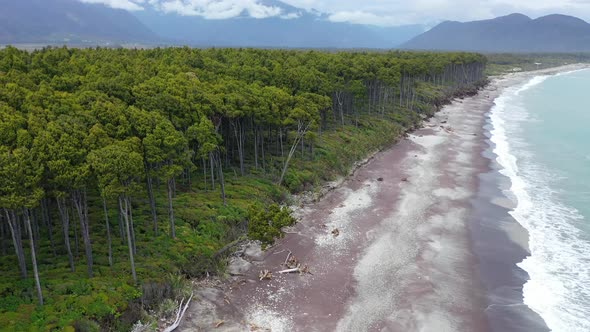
x: 512, y: 33
x: 295, y: 27
x: 69, y: 21
x: 76, y: 22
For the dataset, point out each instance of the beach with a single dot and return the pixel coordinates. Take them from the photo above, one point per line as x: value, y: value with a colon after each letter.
x: 418, y: 239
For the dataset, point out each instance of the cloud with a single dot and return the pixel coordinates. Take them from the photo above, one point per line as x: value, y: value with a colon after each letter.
x: 361, y: 17
x: 399, y: 12
x: 375, y: 12
x: 219, y: 9
x: 132, y: 5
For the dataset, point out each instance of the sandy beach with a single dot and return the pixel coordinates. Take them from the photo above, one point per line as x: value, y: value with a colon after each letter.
x: 424, y: 243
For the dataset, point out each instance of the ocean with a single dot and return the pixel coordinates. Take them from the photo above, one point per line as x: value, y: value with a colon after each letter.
x: 540, y: 130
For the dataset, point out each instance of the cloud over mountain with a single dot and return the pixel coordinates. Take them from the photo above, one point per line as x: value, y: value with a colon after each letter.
x: 373, y: 12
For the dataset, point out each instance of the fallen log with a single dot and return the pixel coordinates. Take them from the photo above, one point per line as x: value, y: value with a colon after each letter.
x: 290, y: 270
x: 179, y: 314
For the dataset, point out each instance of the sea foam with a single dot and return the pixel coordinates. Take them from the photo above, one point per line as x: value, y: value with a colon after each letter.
x: 559, y: 264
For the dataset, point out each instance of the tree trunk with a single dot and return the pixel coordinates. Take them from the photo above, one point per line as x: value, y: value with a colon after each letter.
x: 301, y: 130
x: 35, y: 225
x: 65, y: 220
x: 81, y: 205
x: 132, y: 225
x: 256, y: 147
x: 3, y: 237
x: 150, y: 187
x: 204, y: 173
x: 17, y: 241
x: 49, y: 222
x: 171, y: 208
x: 211, y: 157
x: 221, y: 178
x: 121, y: 224
x: 76, y: 241
x: 33, y: 255
x: 125, y: 206
x: 106, y: 220
x: 239, y: 134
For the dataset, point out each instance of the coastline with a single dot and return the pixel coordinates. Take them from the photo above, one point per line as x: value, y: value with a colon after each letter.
x: 419, y: 244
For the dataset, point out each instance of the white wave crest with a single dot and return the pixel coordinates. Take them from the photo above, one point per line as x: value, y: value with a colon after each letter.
x: 559, y: 264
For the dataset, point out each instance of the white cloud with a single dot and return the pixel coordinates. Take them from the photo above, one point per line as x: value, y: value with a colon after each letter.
x: 361, y: 17
x: 397, y: 12
x: 291, y: 16
x: 376, y: 12
x: 120, y: 4
x: 219, y: 9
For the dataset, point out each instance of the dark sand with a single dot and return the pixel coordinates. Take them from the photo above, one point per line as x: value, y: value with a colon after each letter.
x: 431, y: 247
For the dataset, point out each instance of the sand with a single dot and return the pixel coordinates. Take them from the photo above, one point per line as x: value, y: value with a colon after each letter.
x: 430, y: 247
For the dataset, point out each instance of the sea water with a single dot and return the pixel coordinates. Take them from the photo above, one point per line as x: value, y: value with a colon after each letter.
x: 541, y: 132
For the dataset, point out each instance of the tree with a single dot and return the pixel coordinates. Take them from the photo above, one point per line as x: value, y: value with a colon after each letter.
x: 19, y: 193
x: 167, y: 148
x: 119, y: 167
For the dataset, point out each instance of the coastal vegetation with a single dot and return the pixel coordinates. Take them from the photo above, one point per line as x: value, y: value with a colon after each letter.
x: 122, y: 169
x: 501, y: 63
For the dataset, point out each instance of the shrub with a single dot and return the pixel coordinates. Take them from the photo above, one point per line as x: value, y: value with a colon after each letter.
x: 264, y: 224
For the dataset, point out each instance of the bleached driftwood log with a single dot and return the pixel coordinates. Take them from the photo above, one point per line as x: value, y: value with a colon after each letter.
x: 179, y: 314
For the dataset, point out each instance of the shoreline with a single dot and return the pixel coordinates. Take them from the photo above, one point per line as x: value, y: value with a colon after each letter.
x: 411, y: 250
x: 500, y: 261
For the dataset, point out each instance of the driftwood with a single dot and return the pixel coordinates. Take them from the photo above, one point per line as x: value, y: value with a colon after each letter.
x: 289, y: 270
x: 265, y: 274
x: 299, y: 269
x: 218, y: 324
x: 179, y: 315
x: 287, y: 259
x: 292, y: 262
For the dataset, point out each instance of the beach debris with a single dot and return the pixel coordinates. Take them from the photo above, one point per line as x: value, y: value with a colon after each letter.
x: 292, y: 262
x: 265, y: 275
x: 380, y: 179
x: 179, y: 314
x: 404, y: 179
x: 254, y: 327
x: 287, y: 259
x: 336, y: 232
x: 298, y: 269
x: 218, y: 324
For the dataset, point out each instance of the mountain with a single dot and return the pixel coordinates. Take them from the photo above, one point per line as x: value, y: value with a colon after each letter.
x: 59, y: 21
x: 512, y: 33
x: 294, y: 27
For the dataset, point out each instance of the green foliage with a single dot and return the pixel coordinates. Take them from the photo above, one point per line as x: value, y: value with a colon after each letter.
x: 265, y: 224
x: 505, y: 62
x: 185, y: 137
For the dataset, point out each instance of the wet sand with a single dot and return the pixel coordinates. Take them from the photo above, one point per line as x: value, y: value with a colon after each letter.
x: 425, y: 244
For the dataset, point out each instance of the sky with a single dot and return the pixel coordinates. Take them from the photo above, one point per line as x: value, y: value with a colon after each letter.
x: 376, y: 12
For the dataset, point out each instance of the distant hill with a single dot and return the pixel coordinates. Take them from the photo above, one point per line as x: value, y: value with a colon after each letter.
x: 59, y: 21
x: 302, y: 29
x: 512, y: 33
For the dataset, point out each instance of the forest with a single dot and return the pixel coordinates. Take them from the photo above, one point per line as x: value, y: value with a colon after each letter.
x: 124, y: 172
